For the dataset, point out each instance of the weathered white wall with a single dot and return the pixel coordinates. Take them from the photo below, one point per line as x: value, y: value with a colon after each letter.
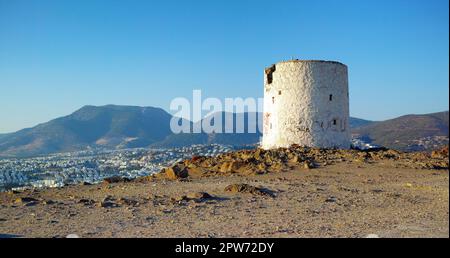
x: 297, y: 106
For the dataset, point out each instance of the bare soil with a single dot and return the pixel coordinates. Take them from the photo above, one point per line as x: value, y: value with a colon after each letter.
x: 347, y: 199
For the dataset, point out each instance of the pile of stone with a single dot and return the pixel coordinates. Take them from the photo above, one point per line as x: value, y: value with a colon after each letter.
x: 260, y: 161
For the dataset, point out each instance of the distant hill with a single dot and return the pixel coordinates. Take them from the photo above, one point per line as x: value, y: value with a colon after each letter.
x: 114, y: 127
x: 357, y: 122
x: 408, y: 133
x: 236, y: 139
x: 107, y: 126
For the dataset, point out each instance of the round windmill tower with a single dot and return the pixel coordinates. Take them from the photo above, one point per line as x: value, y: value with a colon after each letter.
x: 306, y: 102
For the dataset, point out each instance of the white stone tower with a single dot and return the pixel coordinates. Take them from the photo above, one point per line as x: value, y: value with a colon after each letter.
x: 306, y: 103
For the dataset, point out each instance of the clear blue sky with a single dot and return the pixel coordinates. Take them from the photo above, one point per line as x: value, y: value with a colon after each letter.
x: 56, y: 56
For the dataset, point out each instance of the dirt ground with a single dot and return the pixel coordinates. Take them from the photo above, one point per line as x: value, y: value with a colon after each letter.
x: 341, y: 200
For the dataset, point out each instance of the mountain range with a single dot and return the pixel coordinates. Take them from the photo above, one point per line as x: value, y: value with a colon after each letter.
x: 116, y: 127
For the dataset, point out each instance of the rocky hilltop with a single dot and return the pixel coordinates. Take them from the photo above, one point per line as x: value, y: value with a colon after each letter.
x: 260, y: 161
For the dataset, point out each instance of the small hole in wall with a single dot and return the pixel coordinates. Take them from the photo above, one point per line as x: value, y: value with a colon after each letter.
x: 279, y: 92
x: 334, y: 122
x: 273, y: 100
x: 331, y: 97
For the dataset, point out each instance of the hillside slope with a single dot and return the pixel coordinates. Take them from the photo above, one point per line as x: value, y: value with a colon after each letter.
x: 107, y: 126
x: 408, y: 133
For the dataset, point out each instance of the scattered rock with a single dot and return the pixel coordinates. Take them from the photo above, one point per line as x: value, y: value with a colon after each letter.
x: 176, y: 171
x: 26, y: 200
x: 180, y: 198
x: 199, y: 195
x: 87, y: 202
x: 331, y: 199
x: 166, y: 211
x: 108, y: 202
x: 31, y: 203
x: 48, y: 202
x: 309, y: 165
x: 116, y: 179
x: 194, y: 196
x: 440, y: 154
x: 245, y: 188
x: 128, y: 202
